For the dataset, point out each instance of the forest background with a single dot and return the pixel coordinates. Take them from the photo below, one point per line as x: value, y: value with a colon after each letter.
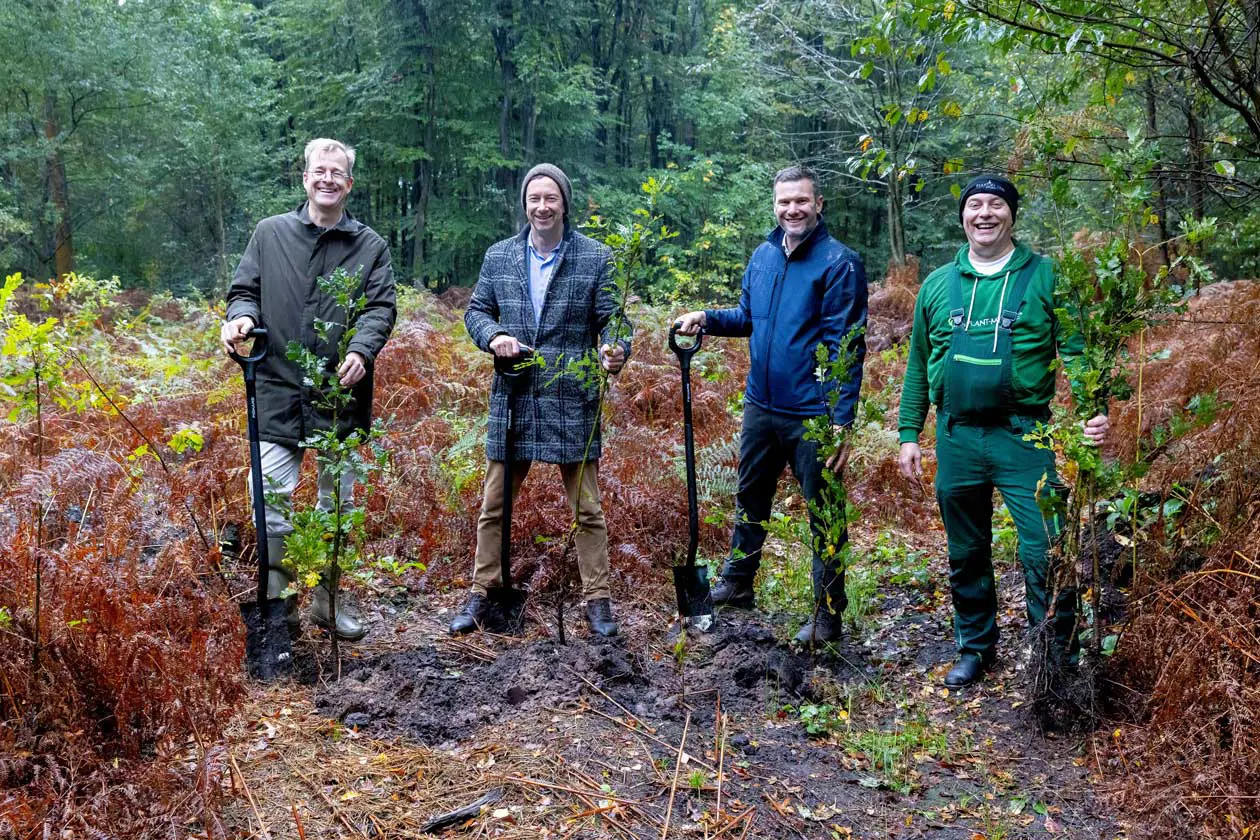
x: 142, y: 140
x: 154, y: 135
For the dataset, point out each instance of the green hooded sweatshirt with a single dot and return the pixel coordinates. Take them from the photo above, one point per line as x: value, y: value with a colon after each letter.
x: 1035, y: 338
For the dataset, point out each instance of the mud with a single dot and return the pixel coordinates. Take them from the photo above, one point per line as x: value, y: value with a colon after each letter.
x: 439, y: 695
x: 269, y: 649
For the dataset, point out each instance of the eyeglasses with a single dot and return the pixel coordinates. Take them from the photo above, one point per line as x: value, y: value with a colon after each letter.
x: 326, y: 174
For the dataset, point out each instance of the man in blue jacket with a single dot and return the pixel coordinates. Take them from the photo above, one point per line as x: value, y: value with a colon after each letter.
x: 801, y: 288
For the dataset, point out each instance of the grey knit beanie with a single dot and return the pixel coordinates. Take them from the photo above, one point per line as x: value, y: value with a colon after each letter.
x: 549, y: 170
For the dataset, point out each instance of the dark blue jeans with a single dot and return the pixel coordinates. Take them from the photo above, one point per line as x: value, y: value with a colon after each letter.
x: 768, y: 443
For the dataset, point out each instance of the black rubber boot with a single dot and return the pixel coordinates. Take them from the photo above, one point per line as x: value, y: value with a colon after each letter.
x: 734, y: 592
x: 350, y: 627
x: 822, y: 628
x: 967, y: 670
x: 599, y: 616
x: 472, y: 616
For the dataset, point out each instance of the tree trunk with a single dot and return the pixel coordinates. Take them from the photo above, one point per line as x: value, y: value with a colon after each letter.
x: 529, y: 123
x: 1198, y: 162
x: 220, y: 226
x: 896, y: 221
x: 1157, y: 171
x: 505, y: 176
x: 422, y: 169
x: 59, y: 193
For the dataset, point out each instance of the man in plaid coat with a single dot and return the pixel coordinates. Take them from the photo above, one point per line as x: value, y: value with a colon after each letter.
x: 548, y: 288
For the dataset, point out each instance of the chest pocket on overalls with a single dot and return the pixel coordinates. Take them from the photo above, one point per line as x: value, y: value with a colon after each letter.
x: 978, y: 369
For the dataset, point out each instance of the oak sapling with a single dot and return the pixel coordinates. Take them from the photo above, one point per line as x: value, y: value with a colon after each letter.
x: 326, y: 542
x: 1105, y: 300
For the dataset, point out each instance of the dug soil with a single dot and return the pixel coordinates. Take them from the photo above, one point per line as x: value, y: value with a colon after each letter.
x: 626, y: 737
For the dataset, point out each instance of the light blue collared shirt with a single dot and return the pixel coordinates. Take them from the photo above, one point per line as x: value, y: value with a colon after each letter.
x: 540, y: 271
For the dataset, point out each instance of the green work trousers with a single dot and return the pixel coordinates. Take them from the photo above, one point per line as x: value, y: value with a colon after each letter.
x: 971, y: 461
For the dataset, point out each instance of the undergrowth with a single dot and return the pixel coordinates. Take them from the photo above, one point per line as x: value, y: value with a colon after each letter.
x: 1186, y: 755
x: 118, y: 731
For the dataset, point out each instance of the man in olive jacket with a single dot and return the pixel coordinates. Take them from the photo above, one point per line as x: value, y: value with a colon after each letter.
x: 548, y: 288
x: 982, y: 350
x: 275, y: 287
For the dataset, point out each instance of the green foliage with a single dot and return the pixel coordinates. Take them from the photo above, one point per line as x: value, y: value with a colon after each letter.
x: 463, y: 462
x: 784, y: 582
x: 821, y: 720
x: 157, y: 134
x: 324, y: 542
x: 186, y: 438
x: 1005, y: 539
x: 893, y: 753
x: 901, y: 565
x: 832, y: 510
x: 862, y: 588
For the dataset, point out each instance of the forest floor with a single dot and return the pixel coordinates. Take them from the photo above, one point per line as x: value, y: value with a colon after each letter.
x: 733, y: 733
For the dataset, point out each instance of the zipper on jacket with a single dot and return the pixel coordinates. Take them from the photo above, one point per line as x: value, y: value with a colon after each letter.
x: 775, y: 297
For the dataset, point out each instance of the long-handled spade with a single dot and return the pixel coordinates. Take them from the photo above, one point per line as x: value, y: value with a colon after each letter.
x: 691, y: 582
x: 268, y: 649
x: 508, y: 599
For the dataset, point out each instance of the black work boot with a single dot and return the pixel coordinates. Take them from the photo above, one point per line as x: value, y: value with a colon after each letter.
x: 734, y: 592
x: 350, y: 627
x: 823, y: 627
x: 969, y: 668
x: 599, y: 616
x: 279, y: 578
x: 472, y: 616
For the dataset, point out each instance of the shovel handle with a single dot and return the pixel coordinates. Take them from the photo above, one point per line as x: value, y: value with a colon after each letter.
x: 684, y: 352
x: 259, y: 350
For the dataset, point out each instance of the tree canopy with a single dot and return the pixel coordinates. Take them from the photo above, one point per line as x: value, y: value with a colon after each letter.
x: 158, y: 132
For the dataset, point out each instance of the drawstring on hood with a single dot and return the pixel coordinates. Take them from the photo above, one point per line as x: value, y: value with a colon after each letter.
x: 975, y: 283
x: 1001, y: 300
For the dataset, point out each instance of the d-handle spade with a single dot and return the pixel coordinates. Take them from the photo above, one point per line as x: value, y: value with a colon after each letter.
x: 268, y: 651
x: 691, y: 582
x: 510, y: 600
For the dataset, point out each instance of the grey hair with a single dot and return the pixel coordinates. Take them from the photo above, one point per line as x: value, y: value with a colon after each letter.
x: 327, y: 144
x: 798, y: 173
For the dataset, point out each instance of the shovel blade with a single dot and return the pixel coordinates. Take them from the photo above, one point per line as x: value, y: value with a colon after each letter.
x: 691, y: 587
x: 268, y: 646
x: 509, y: 606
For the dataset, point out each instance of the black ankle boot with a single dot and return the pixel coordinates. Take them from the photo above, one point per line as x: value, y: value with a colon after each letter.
x: 472, y: 616
x: 734, y: 592
x: 599, y: 616
x: 822, y: 628
x: 969, y: 668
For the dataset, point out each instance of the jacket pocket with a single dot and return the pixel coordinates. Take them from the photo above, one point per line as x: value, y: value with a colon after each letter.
x: 760, y: 292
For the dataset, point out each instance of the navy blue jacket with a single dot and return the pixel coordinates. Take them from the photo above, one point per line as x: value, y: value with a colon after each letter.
x: 787, y: 306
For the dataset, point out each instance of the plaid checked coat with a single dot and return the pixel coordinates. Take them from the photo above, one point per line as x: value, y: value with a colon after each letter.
x: 556, y: 416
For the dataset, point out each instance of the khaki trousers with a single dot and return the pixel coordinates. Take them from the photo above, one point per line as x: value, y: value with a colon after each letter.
x: 591, y: 540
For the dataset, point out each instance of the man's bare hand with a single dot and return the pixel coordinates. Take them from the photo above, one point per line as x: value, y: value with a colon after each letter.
x: 352, y: 369
x: 910, y: 459
x: 1096, y: 429
x: 505, y: 346
x: 840, y: 459
x: 232, y: 333
x: 691, y: 323
x: 612, y: 358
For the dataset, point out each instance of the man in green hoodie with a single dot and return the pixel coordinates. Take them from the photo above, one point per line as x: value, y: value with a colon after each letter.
x: 982, y: 351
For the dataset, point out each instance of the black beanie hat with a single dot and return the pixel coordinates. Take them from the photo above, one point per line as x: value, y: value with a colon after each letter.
x: 994, y: 185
